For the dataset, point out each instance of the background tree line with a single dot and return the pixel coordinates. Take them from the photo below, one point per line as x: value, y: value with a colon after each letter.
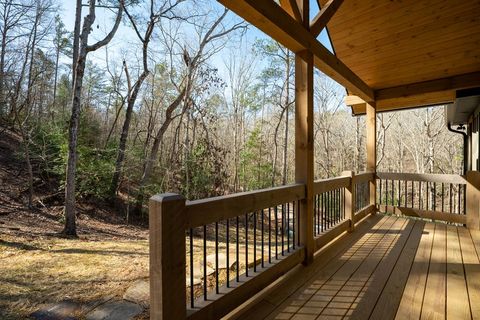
x: 186, y: 99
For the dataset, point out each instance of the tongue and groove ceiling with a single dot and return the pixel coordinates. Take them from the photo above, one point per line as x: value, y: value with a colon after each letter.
x: 390, y: 44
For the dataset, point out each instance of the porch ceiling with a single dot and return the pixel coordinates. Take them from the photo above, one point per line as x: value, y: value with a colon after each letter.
x: 395, y: 46
x: 392, y: 54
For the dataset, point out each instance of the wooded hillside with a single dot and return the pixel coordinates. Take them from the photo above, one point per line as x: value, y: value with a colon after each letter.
x: 144, y: 97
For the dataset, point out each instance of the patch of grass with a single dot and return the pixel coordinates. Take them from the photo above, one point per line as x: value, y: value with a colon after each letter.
x: 50, y: 270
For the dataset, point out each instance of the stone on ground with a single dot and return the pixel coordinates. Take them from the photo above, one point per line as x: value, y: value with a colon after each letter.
x: 222, y: 261
x: 138, y: 292
x: 196, y: 281
x: 63, y: 310
x: 198, y: 270
x: 115, y: 310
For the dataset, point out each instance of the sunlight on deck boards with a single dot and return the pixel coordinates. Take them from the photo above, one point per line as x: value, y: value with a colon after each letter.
x: 389, y: 268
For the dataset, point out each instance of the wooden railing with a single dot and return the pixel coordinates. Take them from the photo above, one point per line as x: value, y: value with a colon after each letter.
x: 439, y: 197
x: 209, y: 256
x: 432, y: 196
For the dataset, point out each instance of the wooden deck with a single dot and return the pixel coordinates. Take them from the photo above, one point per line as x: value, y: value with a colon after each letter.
x: 388, y: 268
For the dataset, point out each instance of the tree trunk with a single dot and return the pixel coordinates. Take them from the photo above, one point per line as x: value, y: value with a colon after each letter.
x: 124, y: 136
x: 76, y: 38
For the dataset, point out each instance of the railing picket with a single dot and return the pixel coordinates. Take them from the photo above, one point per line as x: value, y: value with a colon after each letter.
x: 283, y: 229
x: 246, y: 244
x: 227, y: 249
x: 216, y: 257
x: 192, y: 297
x: 263, y: 238
x: 237, y: 251
x: 288, y: 227
x: 255, y: 241
x: 269, y: 235
x: 205, y: 284
x: 275, y: 211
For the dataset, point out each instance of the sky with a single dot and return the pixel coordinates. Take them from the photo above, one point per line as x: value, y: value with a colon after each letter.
x: 125, y: 35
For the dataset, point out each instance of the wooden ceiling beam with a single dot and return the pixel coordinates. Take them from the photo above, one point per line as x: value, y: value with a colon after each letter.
x: 278, y: 24
x: 292, y: 8
x: 420, y: 94
x: 464, y: 81
x: 321, y: 19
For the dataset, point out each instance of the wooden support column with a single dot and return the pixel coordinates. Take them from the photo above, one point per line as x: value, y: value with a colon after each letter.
x: 350, y: 200
x: 167, y: 257
x: 473, y: 200
x: 371, y: 122
x: 304, y: 146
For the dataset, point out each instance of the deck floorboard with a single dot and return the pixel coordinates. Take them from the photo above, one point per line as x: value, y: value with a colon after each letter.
x: 393, y: 268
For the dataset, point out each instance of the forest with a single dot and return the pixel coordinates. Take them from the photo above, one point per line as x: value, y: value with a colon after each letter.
x: 130, y: 98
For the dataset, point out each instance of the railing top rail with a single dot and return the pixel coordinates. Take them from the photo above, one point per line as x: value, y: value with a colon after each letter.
x: 210, y: 210
x: 424, y: 177
x: 325, y: 185
x: 363, y: 177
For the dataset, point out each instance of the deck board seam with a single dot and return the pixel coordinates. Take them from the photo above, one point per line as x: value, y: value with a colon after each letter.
x: 340, y: 254
x: 416, y: 223
x: 356, y: 269
x: 428, y: 270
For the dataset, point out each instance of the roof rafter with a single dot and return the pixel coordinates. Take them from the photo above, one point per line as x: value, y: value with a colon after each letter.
x: 278, y: 24
x: 326, y: 13
x: 292, y: 8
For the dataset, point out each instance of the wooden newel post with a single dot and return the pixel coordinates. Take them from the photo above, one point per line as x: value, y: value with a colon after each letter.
x: 372, y: 150
x: 304, y: 147
x: 473, y: 200
x: 350, y: 200
x: 167, y: 257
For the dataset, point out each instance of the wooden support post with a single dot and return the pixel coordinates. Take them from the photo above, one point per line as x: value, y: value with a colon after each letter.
x: 304, y: 147
x: 372, y: 149
x: 350, y: 200
x: 473, y: 200
x: 167, y: 257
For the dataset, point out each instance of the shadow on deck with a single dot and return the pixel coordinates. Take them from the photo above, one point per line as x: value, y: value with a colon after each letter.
x: 388, y: 268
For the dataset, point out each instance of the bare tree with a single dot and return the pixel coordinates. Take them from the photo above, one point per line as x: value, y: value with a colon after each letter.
x: 193, y: 63
x: 84, y: 49
x: 164, y: 11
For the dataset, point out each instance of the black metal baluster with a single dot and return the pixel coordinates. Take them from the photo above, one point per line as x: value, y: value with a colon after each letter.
x: 393, y: 193
x: 275, y: 211
x: 237, y: 249
x: 283, y: 229
x: 319, y: 218
x: 263, y: 242
x: 459, y: 195
x: 322, y: 223
x: 420, y: 204
x: 427, y: 195
x: 450, y: 198
x: 413, y: 193
x: 298, y: 222
x: 255, y: 241
x: 434, y: 196
x: 295, y: 209
x: 246, y: 244
x: 227, y: 249
x: 288, y: 227
x: 328, y: 209
x: 269, y: 235
x: 443, y: 197
x: 380, y: 193
x: 386, y: 192
x: 205, y: 284
x: 216, y: 257
x: 192, y: 297
x: 399, y: 194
